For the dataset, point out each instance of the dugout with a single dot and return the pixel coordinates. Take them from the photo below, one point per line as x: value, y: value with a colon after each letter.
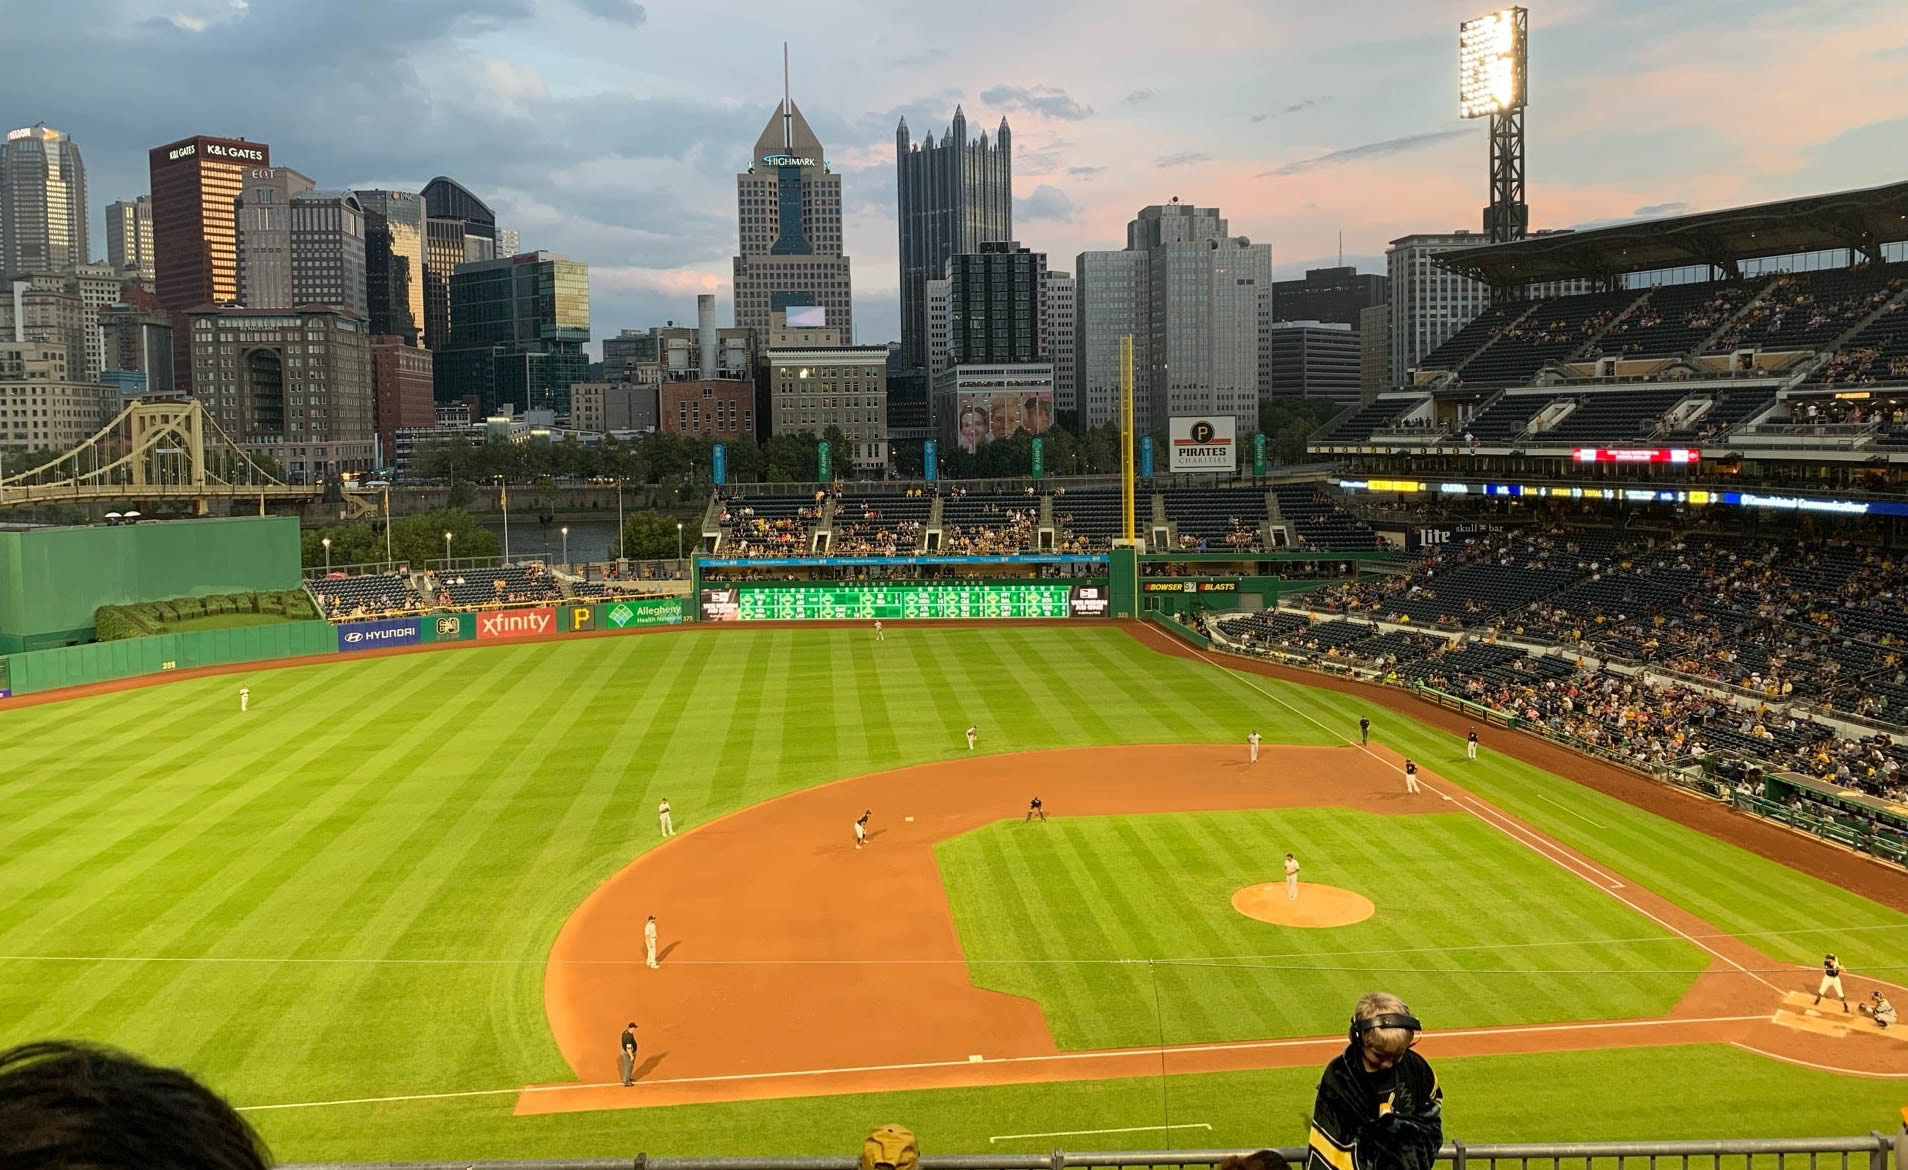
x: 52, y: 580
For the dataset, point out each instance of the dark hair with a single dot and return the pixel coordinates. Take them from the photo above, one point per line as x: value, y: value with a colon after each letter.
x: 83, y: 1106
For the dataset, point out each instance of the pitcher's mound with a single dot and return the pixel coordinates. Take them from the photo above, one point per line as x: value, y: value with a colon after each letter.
x: 1314, y: 906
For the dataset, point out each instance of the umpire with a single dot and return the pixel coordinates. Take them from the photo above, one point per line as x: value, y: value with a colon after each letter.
x: 626, y: 1056
x: 1379, y: 1106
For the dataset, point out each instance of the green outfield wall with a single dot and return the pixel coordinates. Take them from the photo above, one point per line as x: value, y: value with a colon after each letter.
x: 53, y: 579
x: 97, y: 662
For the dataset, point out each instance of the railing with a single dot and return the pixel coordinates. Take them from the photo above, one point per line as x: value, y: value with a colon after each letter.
x: 1875, y: 1151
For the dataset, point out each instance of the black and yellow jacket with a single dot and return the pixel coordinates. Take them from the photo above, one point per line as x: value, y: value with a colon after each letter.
x: 1376, y: 1121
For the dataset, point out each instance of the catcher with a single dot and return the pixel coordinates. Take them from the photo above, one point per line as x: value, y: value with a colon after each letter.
x: 1880, y: 1010
x: 1379, y: 1105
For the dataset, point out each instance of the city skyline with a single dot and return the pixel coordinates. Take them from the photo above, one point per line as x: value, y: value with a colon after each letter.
x: 535, y: 107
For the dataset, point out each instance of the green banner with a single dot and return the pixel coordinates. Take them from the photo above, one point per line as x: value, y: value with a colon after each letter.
x: 821, y: 460
x: 1039, y: 461
x: 577, y: 617
x: 1258, y: 454
x: 448, y: 627
x: 639, y: 611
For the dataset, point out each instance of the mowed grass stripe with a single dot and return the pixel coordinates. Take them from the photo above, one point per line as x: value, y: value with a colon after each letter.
x: 1050, y: 689
x: 866, y: 663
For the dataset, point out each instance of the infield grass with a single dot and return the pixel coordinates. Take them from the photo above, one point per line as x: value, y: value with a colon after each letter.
x: 350, y: 891
x: 1122, y: 928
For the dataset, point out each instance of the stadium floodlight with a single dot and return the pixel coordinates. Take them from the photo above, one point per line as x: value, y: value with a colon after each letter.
x: 1492, y: 60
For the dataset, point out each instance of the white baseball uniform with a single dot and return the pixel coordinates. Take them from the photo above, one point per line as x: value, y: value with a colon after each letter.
x: 1831, y: 985
x: 1884, y: 1013
x: 1411, y: 777
x: 861, y: 834
x: 245, y: 698
x: 1291, y: 878
x: 1470, y: 746
x: 879, y: 636
x: 1253, y: 742
x: 970, y: 739
x: 663, y: 818
x: 649, y: 940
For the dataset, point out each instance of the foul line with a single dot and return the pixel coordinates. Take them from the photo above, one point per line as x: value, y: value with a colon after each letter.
x: 1827, y: 1068
x: 1015, y: 1137
x: 1476, y: 808
x: 1101, y: 1054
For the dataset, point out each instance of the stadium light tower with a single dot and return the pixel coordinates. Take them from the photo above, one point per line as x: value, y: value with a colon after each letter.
x: 1493, y: 60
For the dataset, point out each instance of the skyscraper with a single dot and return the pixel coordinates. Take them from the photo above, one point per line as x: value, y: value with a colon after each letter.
x: 788, y: 211
x: 394, y: 263
x: 1193, y: 303
x: 129, y: 238
x: 327, y: 237
x: 518, y: 326
x: 459, y: 228
x: 1332, y: 295
x: 263, y: 233
x: 508, y: 241
x: 953, y: 197
x: 295, y: 385
x: 42, y: 202
x: 994, y: 304
x: 1057, y: 327
x: 195, y: 187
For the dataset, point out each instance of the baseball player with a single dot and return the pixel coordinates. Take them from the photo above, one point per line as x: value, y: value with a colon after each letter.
x: 1035, y: 809
x: 1252, y: 742
x: 1832, y: 971
x: 649, y: 940
x: 1291, y: 877
x: 1411, y: 775
x: 663, y: 818
x: 1882, y: 1012
x: 879, y: 636
x: 245, y: 698
x: 1470, y: 745
x: 1364, y: 732
x: 861, y: 828
x: 972, y: 734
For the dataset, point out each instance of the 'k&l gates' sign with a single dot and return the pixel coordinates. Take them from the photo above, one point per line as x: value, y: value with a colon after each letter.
x: 378, y: 635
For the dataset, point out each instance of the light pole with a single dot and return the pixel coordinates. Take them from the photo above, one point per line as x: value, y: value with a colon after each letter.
x: 327, y: 543
x: 678, y: 544
x: 390, y: 561
x: 565, y: 530
x: 447, y: 537
x: 505, y: 497
x: 621, y: 551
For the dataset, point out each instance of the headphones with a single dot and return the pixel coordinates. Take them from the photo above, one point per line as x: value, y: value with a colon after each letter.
x: 1402, y: 1019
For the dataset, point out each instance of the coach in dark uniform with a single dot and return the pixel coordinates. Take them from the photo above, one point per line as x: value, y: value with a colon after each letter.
x: 627, y: 1054
x: 1379, y: 1105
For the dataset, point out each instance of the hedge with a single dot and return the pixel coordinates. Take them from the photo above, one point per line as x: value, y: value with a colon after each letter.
x: 112, y: 622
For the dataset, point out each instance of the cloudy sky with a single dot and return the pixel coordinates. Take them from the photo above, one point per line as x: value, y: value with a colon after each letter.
x: 611, y: 130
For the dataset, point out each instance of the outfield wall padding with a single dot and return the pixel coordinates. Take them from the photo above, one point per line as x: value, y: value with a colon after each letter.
x: 53, y: 579
x: 96, y: 662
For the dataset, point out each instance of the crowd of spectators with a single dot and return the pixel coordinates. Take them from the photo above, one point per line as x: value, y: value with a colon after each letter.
x: 343, y: 598
x: 997, y: 531
x: 863, y: 530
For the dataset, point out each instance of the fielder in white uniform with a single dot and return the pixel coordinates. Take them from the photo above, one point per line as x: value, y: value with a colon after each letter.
x: 1832, y: 971
x: 1252, y: 741
x: 663, y: 818
x: 1470, y: 745
x: 972, y: 733
x: 1291, y: 877
x: 879, y: 636
x: 861, y: 828
x: 245, y: 698
x: 649, y: 939
x: 1411, y: 776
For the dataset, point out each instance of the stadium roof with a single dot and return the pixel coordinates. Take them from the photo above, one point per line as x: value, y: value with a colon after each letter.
x: 1861, y: 220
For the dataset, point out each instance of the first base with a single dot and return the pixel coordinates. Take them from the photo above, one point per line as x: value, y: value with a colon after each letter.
x: 910, y: 820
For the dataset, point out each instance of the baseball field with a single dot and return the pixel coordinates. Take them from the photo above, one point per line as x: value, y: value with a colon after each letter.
x: 394, y: 910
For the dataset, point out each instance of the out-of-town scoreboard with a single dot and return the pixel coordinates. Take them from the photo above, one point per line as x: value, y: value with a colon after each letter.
x: 903, y: 601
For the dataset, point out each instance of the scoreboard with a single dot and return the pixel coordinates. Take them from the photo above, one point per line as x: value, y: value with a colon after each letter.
x: 903, y: 600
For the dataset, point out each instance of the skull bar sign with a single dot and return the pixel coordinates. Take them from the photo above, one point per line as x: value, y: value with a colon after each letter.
x: 1204, y: 443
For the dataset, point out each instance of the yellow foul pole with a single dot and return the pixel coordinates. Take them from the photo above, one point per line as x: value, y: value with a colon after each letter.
x: 1126, y: 439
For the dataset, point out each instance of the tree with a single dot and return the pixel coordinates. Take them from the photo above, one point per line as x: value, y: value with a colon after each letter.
x: 654, y: 536
x: 420, y: 539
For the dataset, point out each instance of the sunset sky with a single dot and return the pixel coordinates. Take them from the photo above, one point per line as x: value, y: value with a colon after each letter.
x: 611, y: 130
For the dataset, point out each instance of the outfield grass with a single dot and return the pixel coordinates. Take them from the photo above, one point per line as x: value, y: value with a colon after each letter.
x: 227, y: 621
x: 349, y: 892
x: 1050, y: 911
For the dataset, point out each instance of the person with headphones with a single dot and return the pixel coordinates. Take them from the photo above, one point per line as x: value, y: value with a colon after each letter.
x: 1379, y: 1104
